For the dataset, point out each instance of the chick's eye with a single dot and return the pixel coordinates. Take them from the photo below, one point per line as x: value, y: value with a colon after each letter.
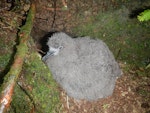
x: 60, y: 47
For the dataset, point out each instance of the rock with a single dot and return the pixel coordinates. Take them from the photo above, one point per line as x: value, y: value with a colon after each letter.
x: 85, y: 68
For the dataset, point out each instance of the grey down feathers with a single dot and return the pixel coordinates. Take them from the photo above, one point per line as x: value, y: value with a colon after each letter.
x: 84, y: 67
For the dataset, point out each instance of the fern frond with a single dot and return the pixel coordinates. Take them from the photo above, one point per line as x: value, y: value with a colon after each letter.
x: 144, y: 16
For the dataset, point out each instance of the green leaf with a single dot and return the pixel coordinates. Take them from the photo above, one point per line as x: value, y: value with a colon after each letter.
x: 144, y: 16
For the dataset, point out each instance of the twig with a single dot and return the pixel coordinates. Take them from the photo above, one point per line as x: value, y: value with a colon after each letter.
x: 64, y: 3
x: 57, y: 9
x: 29, y: 96
x: 118, y: 54
x: 67, y: 102
x: 41, y: 51
x: 51, y: 9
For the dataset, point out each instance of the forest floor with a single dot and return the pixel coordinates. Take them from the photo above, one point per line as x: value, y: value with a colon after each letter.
x: 112, y: 21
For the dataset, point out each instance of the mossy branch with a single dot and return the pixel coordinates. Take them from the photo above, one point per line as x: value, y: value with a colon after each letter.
x: 13, y: 74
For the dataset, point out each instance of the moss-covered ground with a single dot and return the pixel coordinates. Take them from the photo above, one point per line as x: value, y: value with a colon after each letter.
x: 36, y: 90
x: 128, y: 38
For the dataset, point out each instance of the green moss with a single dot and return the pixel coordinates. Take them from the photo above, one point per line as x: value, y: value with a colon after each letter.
x: 45, y: 90
x: 4, y: 60
x: 6, y: 50
x: 38, y: 84
x: 120, y: 33
x: 20, y: 102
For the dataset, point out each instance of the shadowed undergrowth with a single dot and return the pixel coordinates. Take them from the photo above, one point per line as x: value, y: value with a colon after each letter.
x: 127, y: 38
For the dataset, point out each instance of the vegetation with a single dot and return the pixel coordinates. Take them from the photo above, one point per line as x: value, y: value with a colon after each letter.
x: 35, y: 89
x: 14, y: 72
x: 120, y: 34
x: 144, y: 16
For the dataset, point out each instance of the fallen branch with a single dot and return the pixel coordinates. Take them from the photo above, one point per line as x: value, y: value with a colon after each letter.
x: 13, y: 74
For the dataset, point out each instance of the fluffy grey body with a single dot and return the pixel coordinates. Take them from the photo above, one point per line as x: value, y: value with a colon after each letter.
x: 85, y: 68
